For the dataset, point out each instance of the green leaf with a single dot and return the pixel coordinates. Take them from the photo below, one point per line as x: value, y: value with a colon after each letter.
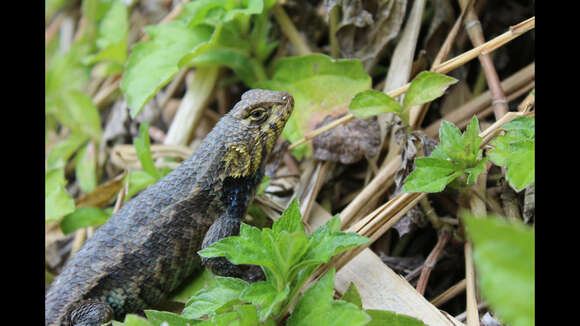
x: 64, y: 149
x: 133, y: 320
x: 316, y: 307
x: 451, y: 140
x: 83, y: 217
x: 516, y: 151
x: 328, y: 241
x: 265, y: 296
x: 220, y: 292
x: 471, y: 137
x: 227, y: 47
x: 77, y: 111
x: 158, y: 318
x: 291, y: 219
x: 474, y: 172
x: 524, y: 127
x: 153, y: 63
x: 383, y: 317
x: 371, y: 103
x: 216, y: 12
x: 189, y: 289
x: 57, y: 202
x: 263, y: 185
x: 247, y: 248
x: 143, y: 149
x: 66, y: 73
x: 431, y: 175
x: 351, y: 295
x: 319, y: 85
x: 503, y: 254
x: 426, y: 87
x: 86, y: 168
x: 112, y: 35
x: 138, y: 180
x: 521, y: 165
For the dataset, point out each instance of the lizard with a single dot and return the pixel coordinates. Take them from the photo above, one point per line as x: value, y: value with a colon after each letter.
x: 146, y: 249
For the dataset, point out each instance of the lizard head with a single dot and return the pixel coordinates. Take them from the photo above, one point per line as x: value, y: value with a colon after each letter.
x: 259, y: 117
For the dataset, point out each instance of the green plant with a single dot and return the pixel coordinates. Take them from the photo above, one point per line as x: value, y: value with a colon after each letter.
x: 288, y: 257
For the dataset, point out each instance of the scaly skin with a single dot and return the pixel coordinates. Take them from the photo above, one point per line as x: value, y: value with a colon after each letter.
x: 150, y: 245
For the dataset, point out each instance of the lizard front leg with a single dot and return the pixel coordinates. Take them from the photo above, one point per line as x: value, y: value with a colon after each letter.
x: 222, y: 228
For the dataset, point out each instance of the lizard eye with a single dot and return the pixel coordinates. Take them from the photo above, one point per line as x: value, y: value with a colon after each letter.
x: 258, y: 114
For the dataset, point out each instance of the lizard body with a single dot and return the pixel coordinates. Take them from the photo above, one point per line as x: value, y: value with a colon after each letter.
x: 146, y: 249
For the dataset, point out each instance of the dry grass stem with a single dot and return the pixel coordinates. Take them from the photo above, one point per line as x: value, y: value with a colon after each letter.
x: 527, y: 104
x: 450, y: 293
x: 192, y: 105
x: 471, y: 310
x: 290, y: 30
x: 475, y: 32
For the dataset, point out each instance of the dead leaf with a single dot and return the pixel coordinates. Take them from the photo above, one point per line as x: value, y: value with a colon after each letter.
x: 366, y: 27
x: 347, y: 143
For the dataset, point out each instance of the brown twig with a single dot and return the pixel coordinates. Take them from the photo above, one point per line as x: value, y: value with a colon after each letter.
x: 475, y: 32
x: 450, y: 293
x: 442, y: 238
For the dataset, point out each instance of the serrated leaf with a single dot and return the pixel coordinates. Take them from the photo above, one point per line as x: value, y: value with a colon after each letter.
x: 516, y: 151
x: 83, y: 217
x: 426, y: 87
x: 521, y: 165
x: 327, y: 241
x: 57, y: 202
x: 371, y: 103
x: 504, y: 259
x: 153, y: 63
x: 351, y: 295
x: 316, y: 307
x: 500, y: 151
x: 143, y: 149
x: 319, y: 85
x: 474, y: 172
x: 158, y: 318
x: 383, y: 317
x: 450, y: 138
x: 431, y: 175
x: 265, y: 296
x: 471, y: 137
x: 291, y: 219
x: 247, y: 248
x: 220, y: 292
x: 525, y: 125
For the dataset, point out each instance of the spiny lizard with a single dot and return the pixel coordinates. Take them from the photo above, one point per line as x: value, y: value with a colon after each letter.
x: 145, y: 250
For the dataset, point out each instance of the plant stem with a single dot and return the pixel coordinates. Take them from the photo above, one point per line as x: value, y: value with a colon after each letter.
x: 442, y: 238
x: 192, y: 105
x: 290, y: 30
x: 473, y: 27
x: 333, y: 21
